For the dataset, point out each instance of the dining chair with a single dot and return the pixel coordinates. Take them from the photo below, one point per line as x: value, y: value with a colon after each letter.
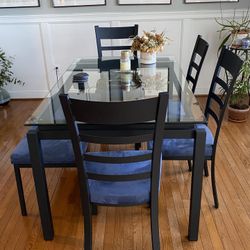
x: 225, y: 74
x: 196, y: 61
x: 117, y: 178
x: 56, y: 154
x: 114, y: 33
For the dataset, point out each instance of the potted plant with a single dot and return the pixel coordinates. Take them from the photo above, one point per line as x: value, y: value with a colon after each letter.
x: 148, y: 45
x: 6, y: 76
x: 234, y: 29
x: 239, y: 101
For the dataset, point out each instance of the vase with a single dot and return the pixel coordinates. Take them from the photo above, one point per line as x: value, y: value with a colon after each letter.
x: 4, y: 96
x: 246, y: 42
x: 147, y: 58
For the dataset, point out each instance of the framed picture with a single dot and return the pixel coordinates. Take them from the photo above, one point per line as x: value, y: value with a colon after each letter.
x: 19, y: 3
x: 211, y: 1
x: 74, y: 3
x: 144, y: 2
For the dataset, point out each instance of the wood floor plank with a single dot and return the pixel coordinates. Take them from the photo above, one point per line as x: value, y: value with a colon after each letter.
x: 128, y: 228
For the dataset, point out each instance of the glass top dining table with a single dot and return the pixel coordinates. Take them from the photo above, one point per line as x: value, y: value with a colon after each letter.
x: 106, y: 83
x: 102, y: 81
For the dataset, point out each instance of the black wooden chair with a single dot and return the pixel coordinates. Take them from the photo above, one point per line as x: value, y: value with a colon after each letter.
x: 114, y: 33
x: 56, y: 154
x: 228, y: 65
x: 196, y: 62
x: 117, y: 178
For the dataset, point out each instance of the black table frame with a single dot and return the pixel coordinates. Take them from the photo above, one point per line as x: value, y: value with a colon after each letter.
x: 175, y: 130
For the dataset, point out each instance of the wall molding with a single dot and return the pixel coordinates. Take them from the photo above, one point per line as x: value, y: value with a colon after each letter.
x: 55, y: 40
x: 117, y: 16
x: 28, y: 94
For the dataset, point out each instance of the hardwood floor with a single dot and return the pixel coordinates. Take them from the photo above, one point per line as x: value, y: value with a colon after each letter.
x: 128, y: 228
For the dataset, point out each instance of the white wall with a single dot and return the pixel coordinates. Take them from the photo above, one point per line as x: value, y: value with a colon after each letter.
x: 40, y: 43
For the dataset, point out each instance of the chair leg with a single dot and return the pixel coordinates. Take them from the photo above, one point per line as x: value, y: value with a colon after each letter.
x: 20, y: 191
x: 155, y: 226
x: 216, y: 202
x: 94, y: 209
x: 87, y: 227
x: 137, y: 146
x: 206, y: 169
x: 190, y: 165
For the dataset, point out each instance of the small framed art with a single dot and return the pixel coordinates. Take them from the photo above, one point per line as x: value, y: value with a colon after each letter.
x: 75, y: 3
x: 143, y: 2
x: 211, y: 1
x: 19, y: 3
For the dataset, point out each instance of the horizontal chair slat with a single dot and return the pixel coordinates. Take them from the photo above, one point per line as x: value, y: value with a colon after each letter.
x: 115, y: 47
x: 212, y: 113
x: 217, y: 99
x: 180, y: 133
x: 117, y: 160
x: 190, y: 78
x: 221, y: 83
x: 130, y: 177
x: 115, y: 140
x: 194, y: 65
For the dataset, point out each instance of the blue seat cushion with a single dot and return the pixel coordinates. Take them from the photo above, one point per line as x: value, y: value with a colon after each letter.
x: 183, y: 148
x: 55, y: 152
x: 119, y: 193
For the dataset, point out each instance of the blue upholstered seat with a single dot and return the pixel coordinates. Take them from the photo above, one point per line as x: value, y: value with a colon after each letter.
x: 172, y: 148
x: 125, y: 192
x: 55, y: 152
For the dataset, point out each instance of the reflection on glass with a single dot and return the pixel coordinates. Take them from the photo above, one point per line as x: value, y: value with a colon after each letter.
x: 106, y: 83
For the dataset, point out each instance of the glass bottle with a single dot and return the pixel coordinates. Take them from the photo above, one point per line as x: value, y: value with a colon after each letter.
x: 125, y: 63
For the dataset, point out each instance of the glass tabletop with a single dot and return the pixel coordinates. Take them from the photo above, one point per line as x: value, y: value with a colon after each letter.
x: 102, y: 80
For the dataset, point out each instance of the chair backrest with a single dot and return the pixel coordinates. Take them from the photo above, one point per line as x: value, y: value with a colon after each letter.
x: 196, y: 62
x: 225, y: 75
x: 114, y: 121
x: 114, y: 33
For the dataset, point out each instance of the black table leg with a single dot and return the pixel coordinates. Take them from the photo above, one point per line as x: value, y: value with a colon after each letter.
x: 196, y: 185
x: 40, y: 184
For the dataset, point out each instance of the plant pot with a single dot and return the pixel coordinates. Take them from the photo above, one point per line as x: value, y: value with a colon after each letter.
x: 4, y: 96
x: 237, y: 115
x: 147, y: 58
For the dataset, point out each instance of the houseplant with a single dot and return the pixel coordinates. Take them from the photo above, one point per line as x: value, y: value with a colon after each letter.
x: 148, y: 45
x: 6, y: 76
x: 239, y: 101
x: 236, y: 29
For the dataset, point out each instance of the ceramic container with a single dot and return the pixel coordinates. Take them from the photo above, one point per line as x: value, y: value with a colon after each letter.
x: 147, y: 58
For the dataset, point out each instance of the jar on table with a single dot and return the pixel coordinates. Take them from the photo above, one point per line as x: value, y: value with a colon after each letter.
x: 246, y: 42
x: 125, y: 63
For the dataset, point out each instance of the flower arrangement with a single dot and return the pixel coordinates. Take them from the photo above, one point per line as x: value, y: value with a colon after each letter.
x: 149, y: 42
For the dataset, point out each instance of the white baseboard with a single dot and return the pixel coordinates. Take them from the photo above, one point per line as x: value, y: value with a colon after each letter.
x: 202, y: 91
x: 28, y: 94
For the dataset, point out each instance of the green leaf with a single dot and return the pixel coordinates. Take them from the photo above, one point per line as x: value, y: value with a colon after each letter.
x: 224, y: 42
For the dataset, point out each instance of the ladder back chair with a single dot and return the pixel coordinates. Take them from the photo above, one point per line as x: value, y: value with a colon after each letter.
x: 114, y: 33
x: 117, y: 178
x: 196, y: 62
x: 228, y: 65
